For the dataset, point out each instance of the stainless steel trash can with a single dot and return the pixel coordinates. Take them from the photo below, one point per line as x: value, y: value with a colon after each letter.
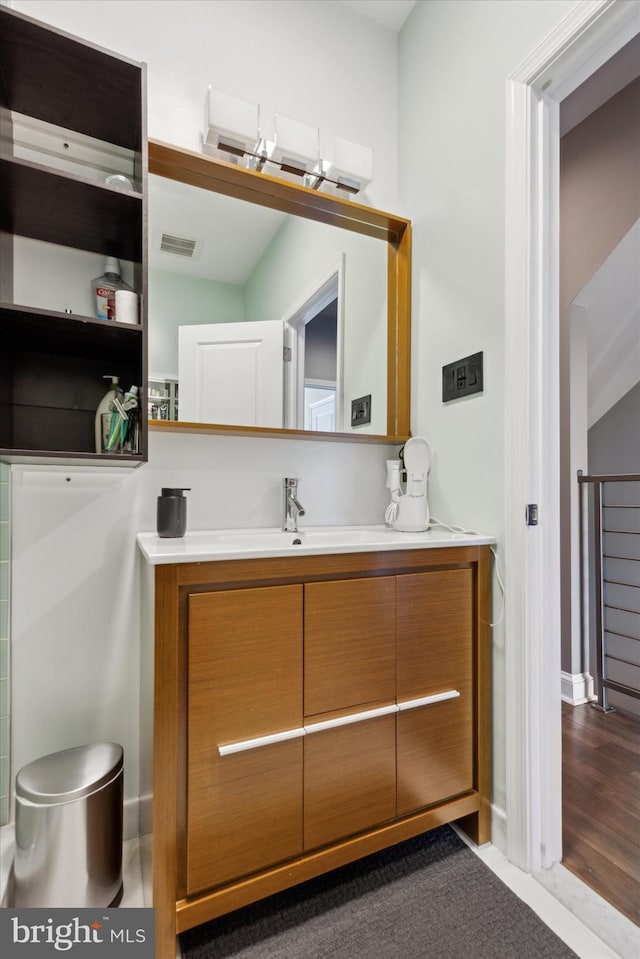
x: 69, y: 828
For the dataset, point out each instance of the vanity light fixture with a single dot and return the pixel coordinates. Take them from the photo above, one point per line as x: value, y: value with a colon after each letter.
x: 352, y: 167
x: 232, y: 124
x: 296, y: 148
x: 232, y: 127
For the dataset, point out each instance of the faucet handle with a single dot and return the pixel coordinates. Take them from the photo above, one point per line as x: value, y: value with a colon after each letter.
x: 291, y: 482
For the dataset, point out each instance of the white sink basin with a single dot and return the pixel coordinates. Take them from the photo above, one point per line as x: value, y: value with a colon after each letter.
x: 275, y: 539
x: 205, y: 545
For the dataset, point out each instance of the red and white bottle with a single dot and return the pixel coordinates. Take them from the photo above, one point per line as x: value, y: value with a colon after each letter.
x: 104, y: 289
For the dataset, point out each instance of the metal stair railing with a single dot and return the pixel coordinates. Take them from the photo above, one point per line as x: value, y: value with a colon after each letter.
x: 626, y: 554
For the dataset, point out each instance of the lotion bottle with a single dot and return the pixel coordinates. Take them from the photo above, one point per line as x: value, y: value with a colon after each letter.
x: 104, y: 406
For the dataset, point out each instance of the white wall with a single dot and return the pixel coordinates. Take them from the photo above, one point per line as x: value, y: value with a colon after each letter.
x: 75, y: 627
x: 175, y: 301
x: 298, y: 260
x: 454, y: 59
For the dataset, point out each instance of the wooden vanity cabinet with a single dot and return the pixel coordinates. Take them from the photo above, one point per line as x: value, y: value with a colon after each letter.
x: 435, y: 644
x: 309, y: 711
x: 349, y: 669
x: 349, y: 780
x: 244, y: 809
x: 349, y: 644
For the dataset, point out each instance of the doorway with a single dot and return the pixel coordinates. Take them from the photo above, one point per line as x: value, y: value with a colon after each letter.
x: 313, y: 396
x: 583, y: 42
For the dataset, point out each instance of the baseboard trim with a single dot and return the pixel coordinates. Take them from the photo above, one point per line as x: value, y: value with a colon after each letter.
x: 576, y: 688
x: 499, y: 828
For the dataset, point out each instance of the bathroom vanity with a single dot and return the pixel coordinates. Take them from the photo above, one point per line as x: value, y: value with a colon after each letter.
x: 313, y: 703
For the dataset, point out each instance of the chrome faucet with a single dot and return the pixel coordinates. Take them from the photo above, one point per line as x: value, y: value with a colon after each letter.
x: 291, y: 507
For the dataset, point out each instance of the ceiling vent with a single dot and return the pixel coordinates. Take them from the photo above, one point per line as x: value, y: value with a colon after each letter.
x: 186, y: 247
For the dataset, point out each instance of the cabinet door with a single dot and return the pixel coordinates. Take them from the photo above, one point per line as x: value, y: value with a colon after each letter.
x: 244, y: 810
x: 435, y: 657
x: 349, y: 645
x: 349, y: 779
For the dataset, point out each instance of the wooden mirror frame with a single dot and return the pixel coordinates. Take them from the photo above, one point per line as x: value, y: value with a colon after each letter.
x: 230, y: 179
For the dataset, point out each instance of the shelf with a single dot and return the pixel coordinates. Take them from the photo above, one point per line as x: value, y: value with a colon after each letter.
x: 62, y: 208
x: 49, y: 397
x: 27, y: 328
x: 68, y: 458
x: 52, y: 364
x: 37, y: 59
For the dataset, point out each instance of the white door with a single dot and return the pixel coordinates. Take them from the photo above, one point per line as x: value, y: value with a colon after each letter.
x: 320, y: 409
x: 231, y: 373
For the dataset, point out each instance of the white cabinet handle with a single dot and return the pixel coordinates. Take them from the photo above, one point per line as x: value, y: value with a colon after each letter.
x: 245, y: 744
x: 351, y: 718
x: 229, y: 748
x: 427, y: 700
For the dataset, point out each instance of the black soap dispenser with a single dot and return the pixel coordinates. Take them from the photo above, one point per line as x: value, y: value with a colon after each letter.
x: 172, y: 512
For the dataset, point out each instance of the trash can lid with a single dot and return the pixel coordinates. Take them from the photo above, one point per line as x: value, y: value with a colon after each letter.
x: 70, y: 773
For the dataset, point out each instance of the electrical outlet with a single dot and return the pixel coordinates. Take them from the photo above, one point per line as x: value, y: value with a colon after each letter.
x: 361, y: 410
x: 463, y: 377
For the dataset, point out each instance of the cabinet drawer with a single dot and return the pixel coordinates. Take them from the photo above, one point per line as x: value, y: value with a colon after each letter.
x: 435, y: 752
x: 350, y: 646
x: 244, y: 810
x: 245, y: 665
x: 349, y: 779
x: 435, y: 632
x: 244, y: 814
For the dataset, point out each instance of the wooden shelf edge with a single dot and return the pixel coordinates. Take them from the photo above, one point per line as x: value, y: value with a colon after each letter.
x: 264, y: 432
x: 70, y: 318
x: 42, y: 168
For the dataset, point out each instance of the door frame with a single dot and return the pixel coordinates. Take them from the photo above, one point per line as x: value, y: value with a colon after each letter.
x: 327, y: 287
x: 591, y: 33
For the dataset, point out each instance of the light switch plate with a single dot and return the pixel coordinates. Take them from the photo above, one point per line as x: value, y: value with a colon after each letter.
x: 463, y: 377
x: 361, y: 410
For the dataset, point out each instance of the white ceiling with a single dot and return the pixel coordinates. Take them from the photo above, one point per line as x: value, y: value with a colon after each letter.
x: 390, y: 13
x: 233, y: 234
x: 613, y: 76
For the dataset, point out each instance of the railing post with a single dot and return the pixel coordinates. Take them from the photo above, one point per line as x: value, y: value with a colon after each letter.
x: 599, y: 624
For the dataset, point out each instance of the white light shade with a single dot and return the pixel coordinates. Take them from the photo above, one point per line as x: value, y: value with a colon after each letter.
x: 297, y: 145
x: 232, y: 123
x: 352, y: 165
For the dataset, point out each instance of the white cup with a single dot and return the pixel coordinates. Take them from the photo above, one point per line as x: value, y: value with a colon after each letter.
x: 126, y: 306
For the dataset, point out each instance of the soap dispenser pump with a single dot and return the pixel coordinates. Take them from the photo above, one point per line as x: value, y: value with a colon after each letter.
x: 172, y: 512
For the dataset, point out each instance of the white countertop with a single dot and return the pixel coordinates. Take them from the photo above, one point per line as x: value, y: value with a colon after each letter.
x: 205, y: 545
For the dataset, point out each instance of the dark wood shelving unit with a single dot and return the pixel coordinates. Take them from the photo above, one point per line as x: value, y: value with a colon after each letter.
x: 52, y: 363
x: 77, y: 213
x: 53, y: 76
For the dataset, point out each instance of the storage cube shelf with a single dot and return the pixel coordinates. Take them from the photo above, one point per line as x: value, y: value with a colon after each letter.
x: 52, y: 362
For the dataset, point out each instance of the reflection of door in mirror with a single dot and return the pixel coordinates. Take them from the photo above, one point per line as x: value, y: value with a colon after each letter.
x: 231, y: 373
x: 320, y: 409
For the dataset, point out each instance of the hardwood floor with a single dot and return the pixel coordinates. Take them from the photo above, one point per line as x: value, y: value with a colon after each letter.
x: 601, y: 803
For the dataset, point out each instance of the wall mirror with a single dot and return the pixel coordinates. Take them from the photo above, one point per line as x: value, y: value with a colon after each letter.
x: 273, y: 307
